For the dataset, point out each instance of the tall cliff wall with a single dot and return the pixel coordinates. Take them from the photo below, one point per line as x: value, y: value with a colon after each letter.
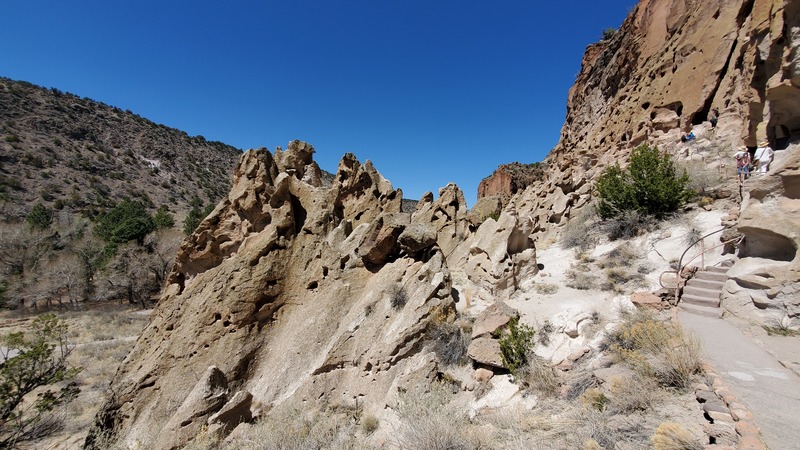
x: 670, y: 68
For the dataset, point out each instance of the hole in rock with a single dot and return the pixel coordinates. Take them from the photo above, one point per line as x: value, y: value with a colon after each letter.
x: 312, y: 285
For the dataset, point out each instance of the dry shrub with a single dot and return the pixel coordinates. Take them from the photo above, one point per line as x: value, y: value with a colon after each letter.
x: 628, y: 224
x: 582, y: 281
x: 292, y: 429
x: 450, y: 341
x: 545, y: 288
x: 578, y: 231
x: 632, y: 394
x: 594, y: 398
x: 657, y: 349
x: 679, y: 362
x: 369, y: 424
x: 538, y: 375
x: 671, y: 436
x: 430, y: 421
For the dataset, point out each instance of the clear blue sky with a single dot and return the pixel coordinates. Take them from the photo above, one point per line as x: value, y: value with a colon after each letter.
x: 430, y: 91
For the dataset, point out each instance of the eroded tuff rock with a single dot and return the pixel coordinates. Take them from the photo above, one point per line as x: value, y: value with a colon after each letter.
x: 671, y: 67
x: 290, y: 290
x: 766, y: 280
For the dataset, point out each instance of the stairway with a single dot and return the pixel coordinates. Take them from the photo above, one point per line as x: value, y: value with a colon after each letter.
x: 701, y: 295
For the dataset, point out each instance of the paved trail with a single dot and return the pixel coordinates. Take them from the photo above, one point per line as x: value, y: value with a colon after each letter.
x: 754, y: 376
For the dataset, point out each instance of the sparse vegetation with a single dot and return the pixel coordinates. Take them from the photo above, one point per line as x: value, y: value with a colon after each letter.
x: 398, y: 297
x: 656, y: 349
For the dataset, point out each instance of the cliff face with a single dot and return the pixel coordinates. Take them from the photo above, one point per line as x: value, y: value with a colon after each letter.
x: 290, y: 292
x: 672, y: 66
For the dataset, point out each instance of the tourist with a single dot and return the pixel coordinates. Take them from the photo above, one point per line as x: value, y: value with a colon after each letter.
x: 742, y: 164
x: 763, y: 157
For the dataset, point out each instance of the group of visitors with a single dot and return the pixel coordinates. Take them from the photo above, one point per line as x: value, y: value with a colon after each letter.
x: 756, y: 162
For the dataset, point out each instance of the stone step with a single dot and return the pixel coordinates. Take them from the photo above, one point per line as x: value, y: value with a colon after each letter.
x: 701, y: 310
x: 701, y: 301
x: 701, y: 292
x: 705, y: 284
x: 712, y: 276
x: 717, y: 269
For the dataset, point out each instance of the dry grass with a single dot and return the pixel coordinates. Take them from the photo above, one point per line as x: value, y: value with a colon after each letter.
x: 539, y: 376
x: 432, y: 421
x: 292, y: 429
x: 103, y: 336
x: 672, y: 436
x: 633, y: 394
x: 657, y: 349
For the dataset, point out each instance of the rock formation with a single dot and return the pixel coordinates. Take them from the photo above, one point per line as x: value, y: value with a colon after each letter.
x: 287, y: 293
x: 766, y: 281
x: 671, y: 67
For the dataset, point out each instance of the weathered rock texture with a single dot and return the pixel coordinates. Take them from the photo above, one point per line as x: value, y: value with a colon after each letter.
x: 294, y: 293
x: 767, y: 279
x: 508, y: 179
x: 671, y: 67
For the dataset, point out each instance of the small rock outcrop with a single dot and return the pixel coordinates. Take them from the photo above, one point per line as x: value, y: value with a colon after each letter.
x: 508, y: 179
x: 293, y: 292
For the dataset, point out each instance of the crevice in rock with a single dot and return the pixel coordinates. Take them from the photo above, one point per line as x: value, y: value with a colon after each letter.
x: 702, y: 115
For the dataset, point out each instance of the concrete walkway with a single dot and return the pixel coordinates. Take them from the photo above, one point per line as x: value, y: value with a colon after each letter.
x: 769, y: 390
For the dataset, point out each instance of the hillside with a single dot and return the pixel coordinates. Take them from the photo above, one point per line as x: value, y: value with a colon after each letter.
x: 65, y: 162
x: 81, y: 155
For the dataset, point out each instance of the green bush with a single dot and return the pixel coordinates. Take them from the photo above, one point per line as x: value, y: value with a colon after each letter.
x: 608, y: 33
x: 127, y: 221
x: 515, y: 344
x: 40, y: 217
x: 163, y: 219
x: 650, y: 185
x: 196, y: 215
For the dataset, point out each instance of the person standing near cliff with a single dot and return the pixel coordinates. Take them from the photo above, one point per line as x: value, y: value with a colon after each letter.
x: 763, y: 158
x: 742, y: 164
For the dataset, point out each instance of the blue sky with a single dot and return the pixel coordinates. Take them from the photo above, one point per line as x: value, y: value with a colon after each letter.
x: 430, y: 91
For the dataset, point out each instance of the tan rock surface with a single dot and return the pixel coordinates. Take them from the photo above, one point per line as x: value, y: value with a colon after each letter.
x: 293, y: 291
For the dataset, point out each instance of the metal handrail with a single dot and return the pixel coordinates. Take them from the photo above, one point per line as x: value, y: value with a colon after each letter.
x: 679, y: 272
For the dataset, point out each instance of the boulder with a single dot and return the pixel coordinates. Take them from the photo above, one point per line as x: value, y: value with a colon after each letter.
x: 416, y: 238
x: 486, y: 350
x: 493, y: 319
x: 646, y: 300
x: 234, y: 412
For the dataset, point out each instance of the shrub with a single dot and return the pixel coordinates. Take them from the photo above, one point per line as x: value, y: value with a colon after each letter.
x: 580, y: 280
x: 398, y: 297
x: 671, y: 436
x: 127, y: 221
x: 608, y: 33
x: 657, y: 349
x: 650, y: 185
x: 577, y: 232
x: 537, y: 374
x: 39, y: 362
x: 515, y: 344
x: 40, y: 217
x: 163, y: 219
x: 196, y: 215
x: 450, y: 342
x: 632, y: 394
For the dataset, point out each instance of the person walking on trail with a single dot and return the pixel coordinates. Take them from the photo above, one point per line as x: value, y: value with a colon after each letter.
x: 742, y: 164
x: 763, y: 158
